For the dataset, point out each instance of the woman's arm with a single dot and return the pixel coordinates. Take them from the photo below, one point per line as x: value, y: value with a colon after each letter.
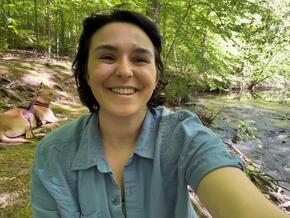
x: 43, y: 205
x: 228, y: 193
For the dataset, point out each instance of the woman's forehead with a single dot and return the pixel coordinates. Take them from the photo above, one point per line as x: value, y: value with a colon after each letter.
x: 118, y: 34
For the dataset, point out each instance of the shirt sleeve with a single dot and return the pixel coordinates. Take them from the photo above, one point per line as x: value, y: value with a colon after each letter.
x: 203, y: 152
x: 50, y: 193
x: 43, y: 205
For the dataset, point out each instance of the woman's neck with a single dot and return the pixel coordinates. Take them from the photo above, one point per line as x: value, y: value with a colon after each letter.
x: 122, y: 132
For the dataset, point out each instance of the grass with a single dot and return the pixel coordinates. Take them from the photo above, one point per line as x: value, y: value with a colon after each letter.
x: 15, y: 174
x: 16, y: 162
x: 3, y: 105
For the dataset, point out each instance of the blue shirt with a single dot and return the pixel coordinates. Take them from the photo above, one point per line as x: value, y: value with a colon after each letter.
x: 71, y: 178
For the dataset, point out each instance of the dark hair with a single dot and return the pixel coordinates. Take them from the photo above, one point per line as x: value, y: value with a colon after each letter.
x: 90, y: 26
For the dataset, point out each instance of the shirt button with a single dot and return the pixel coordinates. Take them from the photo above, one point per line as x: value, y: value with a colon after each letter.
x: 115, y: 201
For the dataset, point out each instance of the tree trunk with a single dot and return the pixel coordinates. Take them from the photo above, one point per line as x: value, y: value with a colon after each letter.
x: 56, y: 32
x: 153, y: 10
x: 204, y: 50
x: 3, y: 23
x: 48, y: 26
x: 177, y: 32
x: 9, y: 33
x: 175, y: 56
x: 36, y: 24
x: 62, y: 34
x: 256, y: 82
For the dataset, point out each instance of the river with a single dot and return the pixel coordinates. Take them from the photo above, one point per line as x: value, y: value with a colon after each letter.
x: 269, y: 146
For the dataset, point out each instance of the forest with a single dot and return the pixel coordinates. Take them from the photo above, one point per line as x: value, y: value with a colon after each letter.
x: 218, y: 56
x: 207, y: 45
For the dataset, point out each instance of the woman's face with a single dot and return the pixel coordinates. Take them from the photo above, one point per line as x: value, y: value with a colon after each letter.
x: 121, y: 69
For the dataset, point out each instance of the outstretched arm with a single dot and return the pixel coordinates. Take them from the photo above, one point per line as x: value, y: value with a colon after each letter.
x: 227, y: 193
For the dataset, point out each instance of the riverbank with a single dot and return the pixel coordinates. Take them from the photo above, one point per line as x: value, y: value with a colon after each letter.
x: 258, y: 130
x: 19, y: 76
x: 265, y: 126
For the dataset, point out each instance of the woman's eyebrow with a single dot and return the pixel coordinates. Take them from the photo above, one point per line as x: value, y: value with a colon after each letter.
x: 143, y: 51
x: 113, y: 48
x: 106, y: 47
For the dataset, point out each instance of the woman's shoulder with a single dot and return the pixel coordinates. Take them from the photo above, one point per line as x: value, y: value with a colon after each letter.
x: 182, y: 131
x: 170, y: 119
x: 58, y: 148
x: 70, y: 133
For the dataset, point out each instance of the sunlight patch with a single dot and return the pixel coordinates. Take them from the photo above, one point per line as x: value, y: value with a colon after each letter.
x: 8, y: 199
x: 36, y: 79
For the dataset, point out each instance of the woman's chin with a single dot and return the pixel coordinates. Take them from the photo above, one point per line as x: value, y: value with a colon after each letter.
x: 124, y: 111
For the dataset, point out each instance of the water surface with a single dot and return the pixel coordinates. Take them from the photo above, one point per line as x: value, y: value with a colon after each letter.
x: 270, y: 125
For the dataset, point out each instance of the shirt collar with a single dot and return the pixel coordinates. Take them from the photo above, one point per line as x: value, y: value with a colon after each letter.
x: 90, y: 152
x: 146, y: 140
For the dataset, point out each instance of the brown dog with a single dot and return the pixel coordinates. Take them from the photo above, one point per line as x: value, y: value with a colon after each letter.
x: 17, y: 122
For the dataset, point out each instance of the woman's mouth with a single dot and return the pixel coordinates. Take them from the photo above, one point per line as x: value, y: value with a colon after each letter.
x: 123, y: 91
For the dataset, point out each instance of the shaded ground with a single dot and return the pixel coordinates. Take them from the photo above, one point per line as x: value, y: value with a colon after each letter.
x: 20, y: 75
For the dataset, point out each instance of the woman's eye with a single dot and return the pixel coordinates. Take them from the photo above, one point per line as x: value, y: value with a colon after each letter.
x: 107, y: 57
x: 141, y: 60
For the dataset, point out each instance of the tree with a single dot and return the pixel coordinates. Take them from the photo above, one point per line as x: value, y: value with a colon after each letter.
x: 208, y: 44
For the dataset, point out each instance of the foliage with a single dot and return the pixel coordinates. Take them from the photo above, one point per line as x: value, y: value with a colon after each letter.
x: 264, y: 44
x: 180, y: 85
x: 209, y: 45
x: 245, y: 132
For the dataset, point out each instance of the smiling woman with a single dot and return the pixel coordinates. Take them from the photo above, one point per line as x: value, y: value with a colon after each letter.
x: 128, y: 157
x: 121, y: 70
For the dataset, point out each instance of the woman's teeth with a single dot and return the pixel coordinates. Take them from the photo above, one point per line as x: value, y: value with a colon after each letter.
x: 123, y: 91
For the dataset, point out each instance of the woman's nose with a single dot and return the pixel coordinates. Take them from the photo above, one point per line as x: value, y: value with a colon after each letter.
x: 124, y: 69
